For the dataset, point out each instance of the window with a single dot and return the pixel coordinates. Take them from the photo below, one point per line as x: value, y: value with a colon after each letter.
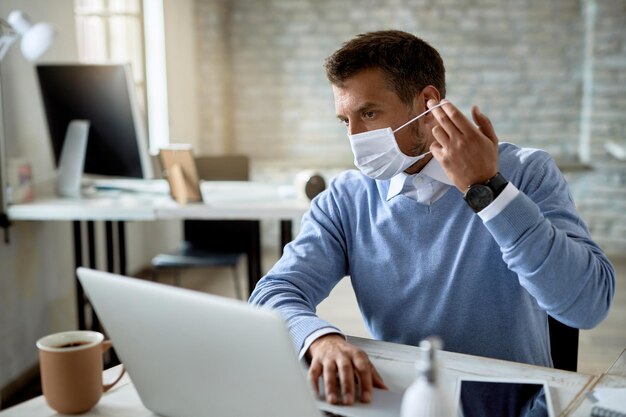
x: 111, y: 31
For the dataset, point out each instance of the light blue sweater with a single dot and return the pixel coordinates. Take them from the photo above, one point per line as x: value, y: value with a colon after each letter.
x: 420, y: 270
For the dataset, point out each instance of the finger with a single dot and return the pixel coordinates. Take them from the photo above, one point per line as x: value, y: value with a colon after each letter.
x: 440, y: 135
x: 436, y: 150
x: 364, y: 372
x: 378, y: 380
x: 435, y: 146
x: 457, y: 118
x: 346, y: 378
x: 484, y: 124
x: 438, y: 156
x: 315, y: 371
x: 441, y: 115
x: 330, y: 382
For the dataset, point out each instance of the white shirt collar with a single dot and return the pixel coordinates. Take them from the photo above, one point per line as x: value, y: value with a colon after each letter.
x: 435, y: 171
x: 432, y: 169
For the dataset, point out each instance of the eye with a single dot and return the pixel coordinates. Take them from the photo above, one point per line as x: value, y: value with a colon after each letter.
x: 369, y: 115
x: 344, y: 122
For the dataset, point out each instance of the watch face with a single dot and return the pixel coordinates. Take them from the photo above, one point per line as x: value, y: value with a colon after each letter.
x: 479, y: 196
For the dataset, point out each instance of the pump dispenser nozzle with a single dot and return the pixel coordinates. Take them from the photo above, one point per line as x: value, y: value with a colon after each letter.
x: 425, y: 397
x: 427, y: 366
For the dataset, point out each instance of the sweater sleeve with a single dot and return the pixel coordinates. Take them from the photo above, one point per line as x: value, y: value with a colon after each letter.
x: 548, y: 246
x: 310, y: 267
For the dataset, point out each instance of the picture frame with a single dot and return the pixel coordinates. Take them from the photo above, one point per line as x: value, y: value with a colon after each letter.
x: 179, y: 168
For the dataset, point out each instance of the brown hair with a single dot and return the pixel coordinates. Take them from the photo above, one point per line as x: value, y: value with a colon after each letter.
x: 409, y: 63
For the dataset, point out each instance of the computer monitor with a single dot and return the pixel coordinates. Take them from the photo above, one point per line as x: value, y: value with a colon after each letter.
x: 104, y: 96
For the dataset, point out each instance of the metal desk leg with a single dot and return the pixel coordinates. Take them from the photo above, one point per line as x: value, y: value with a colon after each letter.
x: 81, y: 300
x: 121, y: 245
x: 78, y: 261
x: 285, y: 234
x: 112, y: 358
x: 116, y: 246
x: 254, y: 256
x: 91, y: 242
x: 108, y: 227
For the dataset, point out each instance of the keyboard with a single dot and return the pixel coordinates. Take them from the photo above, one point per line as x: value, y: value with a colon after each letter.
x: 131, y: 185
x: 329, y: 414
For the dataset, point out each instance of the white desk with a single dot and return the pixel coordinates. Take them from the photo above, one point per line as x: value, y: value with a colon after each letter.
x: 122, y: 208
x: 284, y: 209
x: 133, y: 206
x: 395, y: 363
x: 150, y: 207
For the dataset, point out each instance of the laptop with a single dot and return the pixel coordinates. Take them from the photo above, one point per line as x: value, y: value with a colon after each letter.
x: 191, y: 354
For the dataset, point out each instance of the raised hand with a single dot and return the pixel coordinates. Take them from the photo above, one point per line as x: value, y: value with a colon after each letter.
x: 467, y: 152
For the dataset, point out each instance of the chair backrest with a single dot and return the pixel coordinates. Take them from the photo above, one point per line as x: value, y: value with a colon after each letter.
x: 563, y: 345
x: 223, y: 168
x: 222, y: 235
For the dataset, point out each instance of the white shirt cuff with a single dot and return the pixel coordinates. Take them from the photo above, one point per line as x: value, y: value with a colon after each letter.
x: 492, y: 210
x: 314, y: 336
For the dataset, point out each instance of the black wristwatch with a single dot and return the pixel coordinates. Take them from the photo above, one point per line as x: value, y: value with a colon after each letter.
x: 479, y: 196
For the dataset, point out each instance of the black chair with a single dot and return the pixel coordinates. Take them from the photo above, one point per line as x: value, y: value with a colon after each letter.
x: 213, y: 243
x: 563, y: 345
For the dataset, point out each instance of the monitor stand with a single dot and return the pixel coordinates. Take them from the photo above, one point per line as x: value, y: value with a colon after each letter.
x: 72, y: 160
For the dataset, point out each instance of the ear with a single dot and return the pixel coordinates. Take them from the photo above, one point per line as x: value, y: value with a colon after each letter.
x: 430, y: 92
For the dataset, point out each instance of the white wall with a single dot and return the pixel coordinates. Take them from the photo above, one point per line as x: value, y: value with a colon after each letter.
x: 180, y: 50
x: 36, y: 289
x: 25, y: 127
x: 36, y: 267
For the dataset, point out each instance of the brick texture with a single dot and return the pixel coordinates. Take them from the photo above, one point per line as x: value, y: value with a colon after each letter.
x: 601, y: 193
x: 263, y: 91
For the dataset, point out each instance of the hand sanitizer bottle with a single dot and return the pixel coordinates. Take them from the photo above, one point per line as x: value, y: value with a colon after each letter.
x: 425, y: 397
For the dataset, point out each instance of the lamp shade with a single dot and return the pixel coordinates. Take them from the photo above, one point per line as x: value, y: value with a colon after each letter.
x: 36, y: 39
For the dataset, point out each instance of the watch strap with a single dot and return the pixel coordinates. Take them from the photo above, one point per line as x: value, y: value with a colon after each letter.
x: 475, y: 195
x: 497, y: 183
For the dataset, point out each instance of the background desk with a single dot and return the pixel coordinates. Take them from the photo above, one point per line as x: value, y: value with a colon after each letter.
x: 395, y: 363
x: 117, y: 209
x: 619, y: 366
x: 615, y: 377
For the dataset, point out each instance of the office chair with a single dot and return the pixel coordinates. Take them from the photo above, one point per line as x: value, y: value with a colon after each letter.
x: 563, y: 345
x: 213, y: 243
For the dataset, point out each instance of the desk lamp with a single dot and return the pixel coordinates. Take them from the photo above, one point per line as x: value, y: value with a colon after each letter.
x: 36, y: 39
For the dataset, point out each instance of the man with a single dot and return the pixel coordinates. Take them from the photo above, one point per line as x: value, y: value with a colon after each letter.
x: 475, y: 242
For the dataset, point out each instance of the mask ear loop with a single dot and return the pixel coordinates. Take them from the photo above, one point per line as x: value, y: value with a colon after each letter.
x: 420, y: 115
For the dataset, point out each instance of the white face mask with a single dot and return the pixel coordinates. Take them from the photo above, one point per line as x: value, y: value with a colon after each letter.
x: 376, y: 152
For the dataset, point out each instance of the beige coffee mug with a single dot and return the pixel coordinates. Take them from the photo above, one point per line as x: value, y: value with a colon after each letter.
x: 71, y: 370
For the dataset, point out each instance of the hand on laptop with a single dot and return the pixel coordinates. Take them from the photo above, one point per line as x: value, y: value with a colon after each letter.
x: 341, y: 365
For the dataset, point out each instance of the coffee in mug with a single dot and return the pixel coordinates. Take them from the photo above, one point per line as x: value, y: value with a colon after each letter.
x: 71, y: 370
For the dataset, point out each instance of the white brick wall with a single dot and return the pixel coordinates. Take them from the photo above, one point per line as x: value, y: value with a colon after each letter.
x: 601, y: 194
x: 264, y: 92
x: 518, y: 60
